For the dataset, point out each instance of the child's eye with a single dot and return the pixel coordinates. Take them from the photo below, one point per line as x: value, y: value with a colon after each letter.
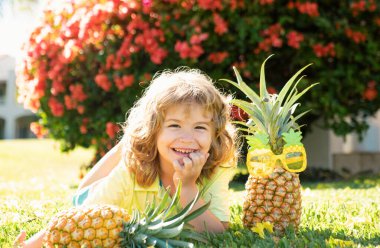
x: 173, y: 125
x: 201, y: 127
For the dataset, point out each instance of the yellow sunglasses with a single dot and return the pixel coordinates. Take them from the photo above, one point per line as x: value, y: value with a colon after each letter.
x: 261, y: 160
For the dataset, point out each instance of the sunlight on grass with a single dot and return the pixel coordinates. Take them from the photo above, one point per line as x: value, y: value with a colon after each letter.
x: 37, y: 181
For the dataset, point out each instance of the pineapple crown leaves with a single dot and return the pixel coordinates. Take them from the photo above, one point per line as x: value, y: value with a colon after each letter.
x: 292, y: 138
x: 258, y: 141
x: 271, y: 113
x: 155, y: 228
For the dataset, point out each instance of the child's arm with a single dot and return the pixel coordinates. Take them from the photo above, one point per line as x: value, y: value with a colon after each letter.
x: 188, y: 174
x: 34, y: 242
x: 206, y: 221
x: 103, y: 167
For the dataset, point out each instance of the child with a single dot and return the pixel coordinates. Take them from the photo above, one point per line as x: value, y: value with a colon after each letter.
x: 179, y: 130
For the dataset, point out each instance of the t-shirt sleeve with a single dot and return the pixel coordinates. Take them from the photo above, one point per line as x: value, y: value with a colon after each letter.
x: 217, y: 191
x: 113, y: 189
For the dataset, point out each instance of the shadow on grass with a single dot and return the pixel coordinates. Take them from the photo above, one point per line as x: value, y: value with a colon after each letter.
x: 331, y: 239
x: 359, y: 182
x: 237, y: 236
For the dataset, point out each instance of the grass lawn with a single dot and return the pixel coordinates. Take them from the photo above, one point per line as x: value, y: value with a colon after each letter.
x: 36, y: 181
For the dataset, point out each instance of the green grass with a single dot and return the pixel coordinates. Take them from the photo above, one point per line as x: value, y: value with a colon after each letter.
x: 36, y: 181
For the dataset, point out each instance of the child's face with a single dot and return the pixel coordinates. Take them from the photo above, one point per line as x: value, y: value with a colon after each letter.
x: 186, y: 129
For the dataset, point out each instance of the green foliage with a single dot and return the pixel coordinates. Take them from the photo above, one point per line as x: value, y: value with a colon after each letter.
x: 83, y: 65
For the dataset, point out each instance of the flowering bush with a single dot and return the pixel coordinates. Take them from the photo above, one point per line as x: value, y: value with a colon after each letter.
x: 83, y: 65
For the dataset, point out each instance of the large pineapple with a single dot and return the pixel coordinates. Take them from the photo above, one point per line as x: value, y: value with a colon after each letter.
x: 111, y: 226
x: 275, y: 154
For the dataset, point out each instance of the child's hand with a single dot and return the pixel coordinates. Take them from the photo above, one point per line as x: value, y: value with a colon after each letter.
x: 192, y: 166
x: 20, y: 240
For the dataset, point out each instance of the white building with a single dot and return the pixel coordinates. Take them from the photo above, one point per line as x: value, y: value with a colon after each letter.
x: 14, y: 119
x: 349, y: 156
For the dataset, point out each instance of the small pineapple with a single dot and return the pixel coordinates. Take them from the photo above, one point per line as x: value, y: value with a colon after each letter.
x: 111, y: 226
x: 275, y: 154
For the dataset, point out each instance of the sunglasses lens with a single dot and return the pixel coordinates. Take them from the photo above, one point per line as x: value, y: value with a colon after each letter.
x: 294, y: 160
x: 261, y: 159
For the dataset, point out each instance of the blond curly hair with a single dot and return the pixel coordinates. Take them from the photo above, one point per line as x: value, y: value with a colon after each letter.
x: 182, y: 85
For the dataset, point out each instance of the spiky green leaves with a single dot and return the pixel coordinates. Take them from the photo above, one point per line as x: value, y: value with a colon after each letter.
x: 156, y: 227
x: 258, y: 141
x: 292, y: 138
x: 271, y: 114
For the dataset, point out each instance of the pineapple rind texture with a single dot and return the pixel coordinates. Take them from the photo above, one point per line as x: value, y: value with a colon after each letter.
x: 88, y: 226
x: 112, y: 226
x: 275, y: 198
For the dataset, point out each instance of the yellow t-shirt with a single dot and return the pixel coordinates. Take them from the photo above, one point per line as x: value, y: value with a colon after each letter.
x: 121, y: 189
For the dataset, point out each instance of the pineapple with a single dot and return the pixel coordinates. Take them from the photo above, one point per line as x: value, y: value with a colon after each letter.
x: 111, y: 226
x: 272, y: 190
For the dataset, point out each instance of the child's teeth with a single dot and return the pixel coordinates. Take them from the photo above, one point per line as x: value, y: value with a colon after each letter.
x: 183, y: 151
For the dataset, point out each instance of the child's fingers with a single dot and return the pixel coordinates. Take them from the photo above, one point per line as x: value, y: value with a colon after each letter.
x: 197, y: 159
x: 187, y: 163
x: 177, y: 166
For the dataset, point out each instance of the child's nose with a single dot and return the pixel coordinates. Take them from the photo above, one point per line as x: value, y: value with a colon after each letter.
x: 187, y: 137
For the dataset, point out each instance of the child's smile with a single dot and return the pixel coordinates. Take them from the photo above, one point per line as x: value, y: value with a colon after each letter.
x: 187, y: 129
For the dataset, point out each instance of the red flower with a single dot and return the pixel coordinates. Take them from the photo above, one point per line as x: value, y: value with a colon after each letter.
x: 370, y: 93
x: 83, y: 126
x: 102, y: 81
x: 69, y: 102
x: 356, y: 36
x: 221, y: 25
x: 358, y: 7
x: 210, y: 4
x: 294, y: 39
x: 197, y: 39
x: 307, y: 8
x: 324, y: 51
x: 236, y: 4
x: 77, y: 92
x: 264, y: 2
x: 238, y: 114
x: 111, y: 129
x: 186, y: 51
x: 217, y: 57
x: 38, y: 130
x: 56, y: 107
x: 272, y: 90
x: 125, y: 81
